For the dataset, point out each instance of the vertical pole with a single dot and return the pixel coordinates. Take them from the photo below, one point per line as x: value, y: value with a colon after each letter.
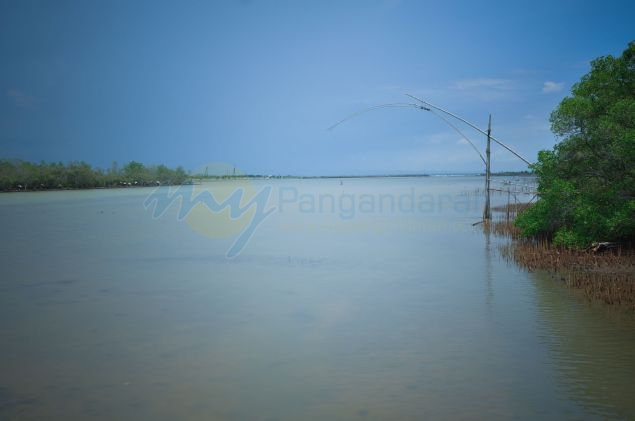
x: 509, y: 192
x: 487, y: 213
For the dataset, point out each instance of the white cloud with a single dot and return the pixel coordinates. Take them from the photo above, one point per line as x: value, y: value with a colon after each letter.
x: 484, y: 89
x: 550, y: 86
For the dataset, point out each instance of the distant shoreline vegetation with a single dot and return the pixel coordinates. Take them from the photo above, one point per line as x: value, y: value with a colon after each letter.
x: 404, y: 175
x: 18, y: 175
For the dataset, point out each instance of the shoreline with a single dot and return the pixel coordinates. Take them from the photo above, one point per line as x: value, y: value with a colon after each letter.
x: 55, y: 189
x: 199, y: 180
x: 607, y: 277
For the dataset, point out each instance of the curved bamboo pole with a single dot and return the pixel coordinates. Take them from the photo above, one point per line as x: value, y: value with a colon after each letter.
x: 428, y: 105
x: 419, y: 107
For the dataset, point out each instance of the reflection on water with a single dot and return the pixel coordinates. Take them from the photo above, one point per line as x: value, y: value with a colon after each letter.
x: 107, y: 313
x: 592, y: 349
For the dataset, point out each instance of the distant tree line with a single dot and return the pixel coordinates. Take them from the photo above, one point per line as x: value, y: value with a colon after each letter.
x: 587, y: 182
x: 513, y: 173
x: 17, y: 175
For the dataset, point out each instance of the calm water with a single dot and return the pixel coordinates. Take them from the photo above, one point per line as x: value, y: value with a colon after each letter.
x: 348, y: 313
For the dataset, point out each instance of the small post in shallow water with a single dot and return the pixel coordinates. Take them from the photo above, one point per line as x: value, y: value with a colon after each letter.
x: 487, y: 213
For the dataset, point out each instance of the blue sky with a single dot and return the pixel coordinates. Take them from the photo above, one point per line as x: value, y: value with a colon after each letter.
x: 256, y: 83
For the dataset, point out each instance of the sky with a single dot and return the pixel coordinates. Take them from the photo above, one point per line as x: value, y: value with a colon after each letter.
x: 257, y: 83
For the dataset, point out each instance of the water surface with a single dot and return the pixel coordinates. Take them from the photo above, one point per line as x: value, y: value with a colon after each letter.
x: 108, y: 313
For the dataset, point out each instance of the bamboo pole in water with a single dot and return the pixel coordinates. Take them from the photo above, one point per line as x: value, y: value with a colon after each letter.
x: 487, y: 213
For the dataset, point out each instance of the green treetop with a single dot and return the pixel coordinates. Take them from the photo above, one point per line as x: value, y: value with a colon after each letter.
x: 587, y: 182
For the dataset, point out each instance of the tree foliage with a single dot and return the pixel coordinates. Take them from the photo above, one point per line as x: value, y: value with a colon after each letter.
x: 587, y: 182
x: 23, y: 175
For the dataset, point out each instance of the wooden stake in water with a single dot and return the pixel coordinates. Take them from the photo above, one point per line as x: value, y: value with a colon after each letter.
x: 487, y: 213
